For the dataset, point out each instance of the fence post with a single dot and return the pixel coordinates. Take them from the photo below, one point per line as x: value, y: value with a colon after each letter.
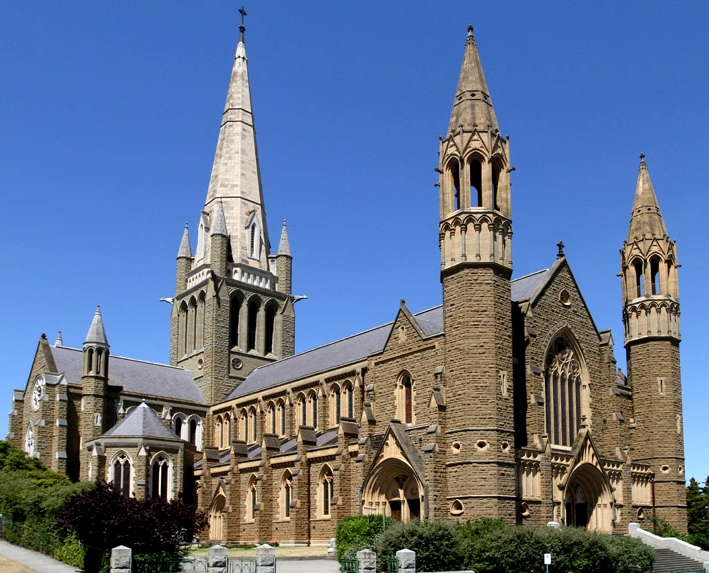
x: 367, y: 561
x: 265, y: 559
x: 217, y: 559
x: 407, y: 561
x: 121, y: 557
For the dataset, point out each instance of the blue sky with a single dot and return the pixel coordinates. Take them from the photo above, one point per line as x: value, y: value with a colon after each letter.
x: 109, y: 113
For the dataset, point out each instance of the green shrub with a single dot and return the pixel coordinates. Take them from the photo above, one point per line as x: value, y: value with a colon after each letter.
x: 71, y: 552
x: 435, y: 542
x: 359, y: 532
x: 160, y: 562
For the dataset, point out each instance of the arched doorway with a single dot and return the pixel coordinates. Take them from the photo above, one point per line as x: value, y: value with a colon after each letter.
x: 216, y: 518
x: 392, y: 489
x: 588, y: 500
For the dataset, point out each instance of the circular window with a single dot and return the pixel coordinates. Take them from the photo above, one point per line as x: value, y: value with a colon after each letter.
x: 665, y: 469
x: 456, y: 447
x: 237, y: 364
x: 200, y: 363
x: 505, y: 447
x: 482, y: 444
x: 565, y: 298
x: 457, y: 507
x: 680, y: 470
x: 641, y: 514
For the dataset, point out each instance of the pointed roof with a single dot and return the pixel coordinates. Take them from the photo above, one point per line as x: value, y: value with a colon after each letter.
x: 142, y: 422
x: 236, y: 179
x: 185, y: 251
x: 646, y: 218
x: 284, y: 243
x: 472, y: 105
x: 97, y: 333
x: 219, y: 226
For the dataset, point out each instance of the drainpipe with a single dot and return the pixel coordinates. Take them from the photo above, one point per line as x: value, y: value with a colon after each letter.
x: 307, y: 466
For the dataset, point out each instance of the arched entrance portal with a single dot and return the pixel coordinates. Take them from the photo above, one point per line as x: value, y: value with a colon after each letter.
x: 588, y: 500
x: 392, y: 488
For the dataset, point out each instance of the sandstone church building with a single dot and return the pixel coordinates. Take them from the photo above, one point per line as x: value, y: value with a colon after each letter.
x: 505, y: 401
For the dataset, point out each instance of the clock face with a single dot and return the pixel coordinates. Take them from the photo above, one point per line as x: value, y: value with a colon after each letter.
x: 37, y: 392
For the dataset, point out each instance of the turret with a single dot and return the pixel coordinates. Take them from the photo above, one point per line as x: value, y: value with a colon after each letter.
x: 652, y: 335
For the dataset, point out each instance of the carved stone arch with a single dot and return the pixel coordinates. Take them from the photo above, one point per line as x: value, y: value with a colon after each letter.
x: 161, y: 476
x: 404, y: 397
x: 394, y: 489
x: 588, y: 499
x: 217, y: 519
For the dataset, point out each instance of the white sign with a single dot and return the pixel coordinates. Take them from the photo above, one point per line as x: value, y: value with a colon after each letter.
x: 547, y: 559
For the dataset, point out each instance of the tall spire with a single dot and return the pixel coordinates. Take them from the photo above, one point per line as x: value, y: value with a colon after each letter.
x: 646, y: 218
x: 472, y: 106
x: 236, y: 178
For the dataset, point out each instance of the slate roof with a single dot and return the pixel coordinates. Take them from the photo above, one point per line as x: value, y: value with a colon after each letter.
x: 143, y: 422
x: 136, y: 376
x: 358, y: 347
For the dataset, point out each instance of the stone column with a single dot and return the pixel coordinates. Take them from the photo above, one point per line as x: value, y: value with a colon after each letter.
x: 121, y: 557
x: 367, y: 561
x: 265, y: 559
x: 217, y: 559
x: 407, y: 561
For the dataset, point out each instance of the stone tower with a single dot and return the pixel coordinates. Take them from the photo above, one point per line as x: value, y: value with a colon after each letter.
x: 650, y: 288
x: 97, y: 408
x: 476, y: 265
x: 233, y: 309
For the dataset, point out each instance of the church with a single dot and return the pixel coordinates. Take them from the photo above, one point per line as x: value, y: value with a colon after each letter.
x: 504, y: 401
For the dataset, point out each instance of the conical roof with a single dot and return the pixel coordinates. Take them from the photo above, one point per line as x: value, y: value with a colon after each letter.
x: 97, y: 333
x: 646, y: 218
x: 472, y: 106
x: 284, y: 243
x: 185, y: 251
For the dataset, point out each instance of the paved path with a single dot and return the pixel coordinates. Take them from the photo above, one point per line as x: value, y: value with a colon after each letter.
x: 43, y: 564
x: 33, y: 560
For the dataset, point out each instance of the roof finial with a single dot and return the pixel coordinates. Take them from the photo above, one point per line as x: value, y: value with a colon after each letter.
x: 643, y: 165
x: 560, y: 254
x: 242, y: 28
x: 471, y: 40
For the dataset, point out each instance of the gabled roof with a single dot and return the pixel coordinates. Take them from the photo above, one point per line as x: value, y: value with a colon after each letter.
x: 356, y: 348
x: 135, y: 376
x: 143, y: 422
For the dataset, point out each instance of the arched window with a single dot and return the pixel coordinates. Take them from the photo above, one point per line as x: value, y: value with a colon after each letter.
x: 253, y: 427
x: 405, y: 398
x: 313, y: 409
x: 121, y: 474
x: 182, y: 327
x: 254, y: 306
x: 301, y: 411
x: 286, y: 494
x: 326, y: 487
x: 191, y: 324
x: 199, y: 322
x: 29, y: 440
x: 161, y: 477
x: 349, y: 400
x: 218, y: 432
x: 496, y: 170
x: 476, y: 182
x: 453, y: 182
x: 178, y: 421
x: 563, y: 397
x: 251, y: 501
x: 234, y: 311
x: 335, y: 405
x: 639, y: 286
x: 269, y: 328
x: 244, y: 425
x: 194, y: 431
x: 271, y: 419
x: 655, y: 275
x: 281, y: 415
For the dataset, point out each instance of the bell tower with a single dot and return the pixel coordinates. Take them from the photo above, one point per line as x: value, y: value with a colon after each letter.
x: 233, y: 309
x: 650, y: 287
x: 476, y: 265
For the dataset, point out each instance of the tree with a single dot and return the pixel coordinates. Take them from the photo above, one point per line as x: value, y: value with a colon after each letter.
x: 698, y: 513
x: 103, y: 518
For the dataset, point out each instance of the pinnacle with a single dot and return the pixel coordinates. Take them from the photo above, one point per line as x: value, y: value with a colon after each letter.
x: 97, y: 332
x: 646, y: 218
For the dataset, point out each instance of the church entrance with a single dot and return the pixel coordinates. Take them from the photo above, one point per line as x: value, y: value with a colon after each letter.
x: 216, y: 518
x: 588, y: 501
x: 393, y: 490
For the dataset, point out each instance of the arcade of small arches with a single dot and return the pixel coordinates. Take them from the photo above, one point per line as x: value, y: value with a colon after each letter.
x: 652, y: 276
x: 252, y: 324
x: 476, y: 238
x: 474, y: 181
x: 283, y: 415
x: 189, y: 428
x: 161, y: 472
